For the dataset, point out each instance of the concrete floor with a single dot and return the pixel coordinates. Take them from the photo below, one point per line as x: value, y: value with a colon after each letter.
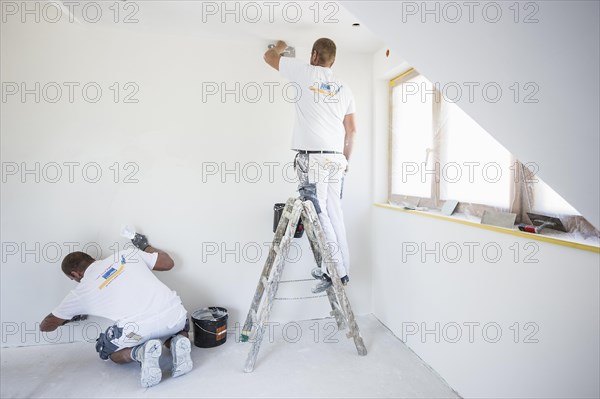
x: 303, y: 360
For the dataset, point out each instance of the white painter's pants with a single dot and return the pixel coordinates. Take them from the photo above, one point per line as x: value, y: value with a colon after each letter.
x: 321, y: 179
x: 125, y: 334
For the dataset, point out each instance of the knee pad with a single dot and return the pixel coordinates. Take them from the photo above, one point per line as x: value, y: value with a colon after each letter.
x: 104, y: 345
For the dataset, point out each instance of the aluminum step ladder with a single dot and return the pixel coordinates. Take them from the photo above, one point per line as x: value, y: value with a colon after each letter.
x: 260, y: 309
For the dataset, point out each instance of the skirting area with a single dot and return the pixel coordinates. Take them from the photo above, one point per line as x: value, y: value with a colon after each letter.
x: 303, y: 360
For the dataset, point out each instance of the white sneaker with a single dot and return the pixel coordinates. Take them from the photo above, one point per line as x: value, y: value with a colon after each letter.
x: 181, y: 349
x: 148, y: 355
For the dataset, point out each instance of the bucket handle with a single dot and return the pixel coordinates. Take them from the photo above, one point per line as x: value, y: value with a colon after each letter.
x: 210, y: 332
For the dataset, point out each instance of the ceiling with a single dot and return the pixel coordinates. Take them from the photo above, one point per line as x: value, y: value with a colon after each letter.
x: 292, y: 21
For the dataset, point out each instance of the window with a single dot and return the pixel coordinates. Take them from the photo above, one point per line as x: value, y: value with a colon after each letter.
x: 439, y: 153
x: 475, y: 168
x: 546, y: 200
x: 412, y: 127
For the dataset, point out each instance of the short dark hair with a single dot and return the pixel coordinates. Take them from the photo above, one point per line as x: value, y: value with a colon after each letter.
x: 325, y: 48
x: 76, y: 262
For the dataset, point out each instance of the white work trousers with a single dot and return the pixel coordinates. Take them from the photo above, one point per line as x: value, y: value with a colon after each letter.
x: 321, y: 178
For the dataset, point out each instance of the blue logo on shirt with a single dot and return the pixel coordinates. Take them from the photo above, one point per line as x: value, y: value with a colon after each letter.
x: 327, y: 89
x: 109, y: 273
x: 112, y: 270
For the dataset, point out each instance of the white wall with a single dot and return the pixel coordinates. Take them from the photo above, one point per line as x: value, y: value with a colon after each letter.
x: 553, y: 287
x: 170, y: 135
x: 560, y: 54
x: 506, y: 280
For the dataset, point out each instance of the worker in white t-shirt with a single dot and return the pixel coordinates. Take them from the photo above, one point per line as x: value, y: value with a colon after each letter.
x: 122, y: 288
x: 323, y: 137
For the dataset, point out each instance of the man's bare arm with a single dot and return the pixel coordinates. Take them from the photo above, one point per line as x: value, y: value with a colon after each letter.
x: 163, y: 262
x: 51, y: 323
x: 273, y: 55
x: 350, y: 128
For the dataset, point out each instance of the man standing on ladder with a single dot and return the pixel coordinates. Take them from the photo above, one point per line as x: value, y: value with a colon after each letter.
x: 323, y: 137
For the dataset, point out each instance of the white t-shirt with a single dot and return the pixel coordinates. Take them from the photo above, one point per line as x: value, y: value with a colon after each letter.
x: 121, y: 288
x: 321, y: 106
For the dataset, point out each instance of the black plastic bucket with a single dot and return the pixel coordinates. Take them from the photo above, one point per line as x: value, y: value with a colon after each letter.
x: 277, y: 212
x: 210, y: 327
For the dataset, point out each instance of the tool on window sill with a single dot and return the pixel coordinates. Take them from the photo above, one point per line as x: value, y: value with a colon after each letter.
x: 540, y: 222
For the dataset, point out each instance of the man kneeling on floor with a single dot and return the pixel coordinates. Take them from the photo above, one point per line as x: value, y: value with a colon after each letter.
x: 122, y: 288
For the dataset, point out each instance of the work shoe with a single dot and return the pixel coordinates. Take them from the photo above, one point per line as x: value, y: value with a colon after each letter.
x: 180, y: 350
x: 317, y: 273
x: 148, y: 355
x: 322, y: 285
